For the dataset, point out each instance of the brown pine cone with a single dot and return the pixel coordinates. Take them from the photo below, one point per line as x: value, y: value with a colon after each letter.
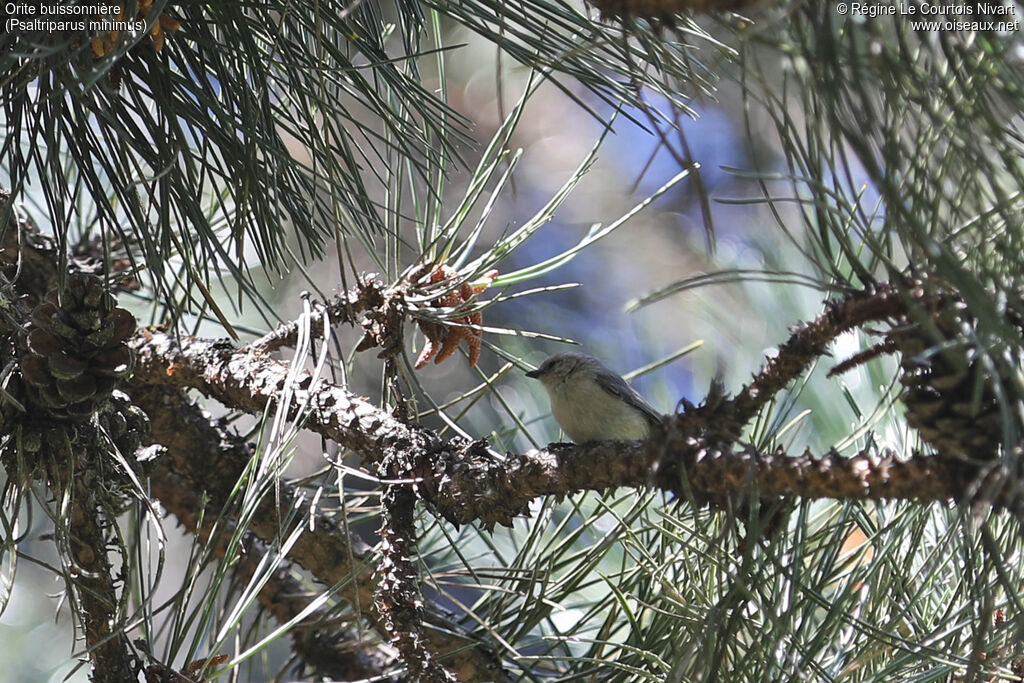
x: 73, y: 352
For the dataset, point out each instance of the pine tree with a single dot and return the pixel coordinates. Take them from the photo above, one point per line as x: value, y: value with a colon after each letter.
x: 348, y: 484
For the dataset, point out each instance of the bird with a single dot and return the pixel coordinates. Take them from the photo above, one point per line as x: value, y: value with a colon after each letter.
x: 591, y: 402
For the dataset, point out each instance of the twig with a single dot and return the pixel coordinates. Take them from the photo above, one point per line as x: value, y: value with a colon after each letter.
x: 367, y: 295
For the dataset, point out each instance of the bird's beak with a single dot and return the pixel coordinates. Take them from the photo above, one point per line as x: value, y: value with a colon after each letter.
x: 534, y: 373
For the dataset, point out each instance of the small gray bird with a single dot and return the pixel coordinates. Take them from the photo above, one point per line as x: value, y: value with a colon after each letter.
x: 590, y: 402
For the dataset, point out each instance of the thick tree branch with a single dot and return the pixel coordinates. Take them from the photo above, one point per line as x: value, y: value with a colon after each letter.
x: 489, y: 492
x: 250, y: 381
x: 467, y: 482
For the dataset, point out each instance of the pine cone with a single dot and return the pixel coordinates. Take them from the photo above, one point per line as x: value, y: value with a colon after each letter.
x: 73, y: 352
x: 125, y: 424
x: 949, y: 396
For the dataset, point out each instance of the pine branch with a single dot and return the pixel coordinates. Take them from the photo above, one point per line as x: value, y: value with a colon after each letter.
x: 398, y: 598
x: 369, y: 294
x: 91, y: 573
x: 465, y: 482
x: 250, y: 381
x: 658, y: 11
x: 697, y: 452
x: 808, y: 342
x: 494, y: 493
x: 186, y: 432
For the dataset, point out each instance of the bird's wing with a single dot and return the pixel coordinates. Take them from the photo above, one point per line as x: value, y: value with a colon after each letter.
x: 628, y: 394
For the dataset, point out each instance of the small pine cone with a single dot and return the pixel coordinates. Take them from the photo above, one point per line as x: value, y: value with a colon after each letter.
x: 948, y: 395
x: 125, y: 423
x: 74, y: 352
